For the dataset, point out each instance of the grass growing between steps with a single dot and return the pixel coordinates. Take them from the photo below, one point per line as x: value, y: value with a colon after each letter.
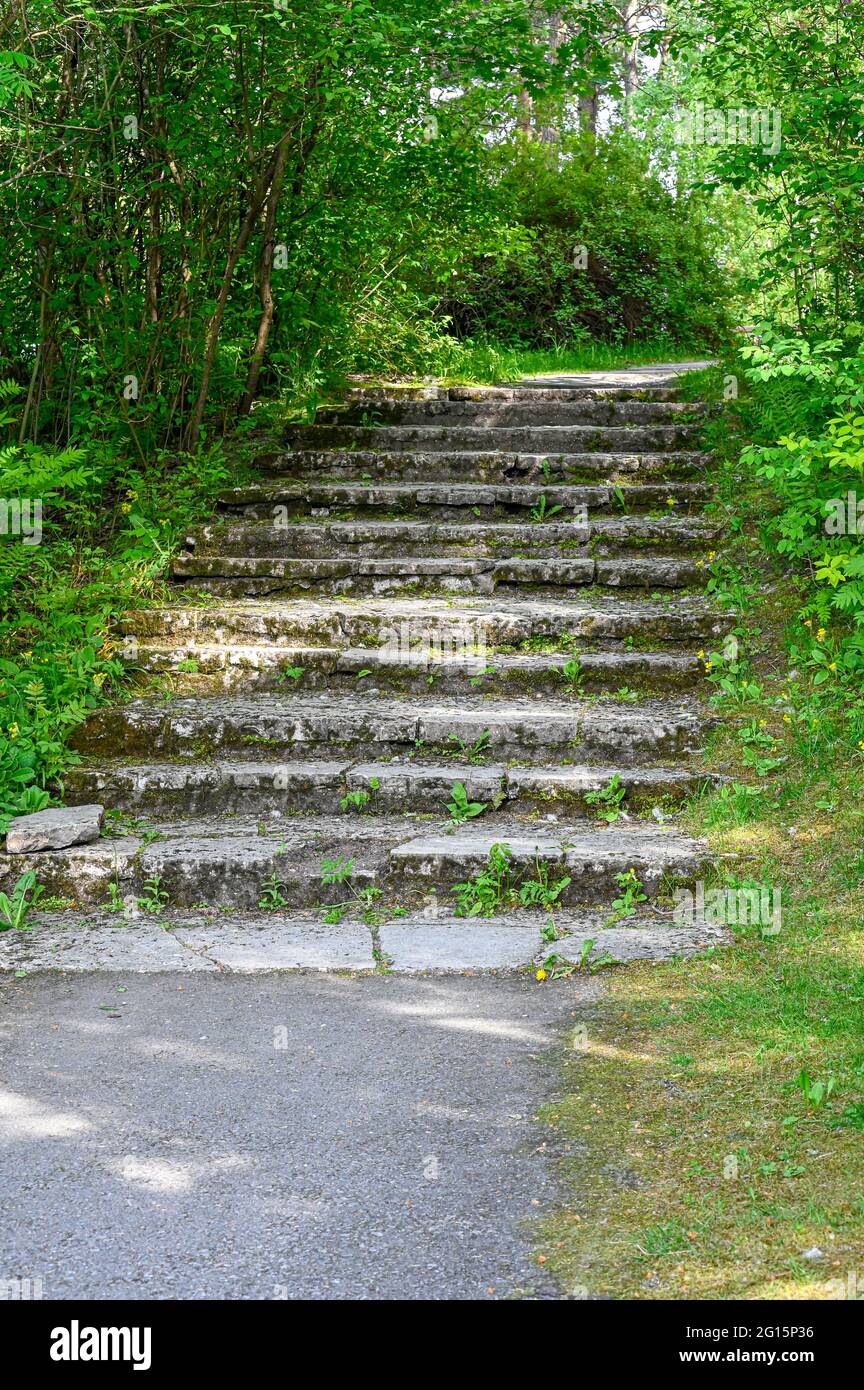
x: 716, y: 1110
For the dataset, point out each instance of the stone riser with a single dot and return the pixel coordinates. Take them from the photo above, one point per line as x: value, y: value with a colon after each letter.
x: 492, y: 505
x: 289, y: 728
x: 222, y: 668
x: 373, y: 623
x: 274, y: 789
x: 494, y: 415
x: 518, y: 438
x: 510, y: 391
x: 316, y: 465
x: 240, y: 577
x: 382, y: 540
x: 226, y: 864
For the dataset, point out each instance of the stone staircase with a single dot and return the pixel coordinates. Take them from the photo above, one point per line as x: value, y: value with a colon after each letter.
x: 492, y: 587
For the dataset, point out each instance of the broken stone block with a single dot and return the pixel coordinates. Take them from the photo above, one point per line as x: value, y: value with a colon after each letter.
x: 55, y: 828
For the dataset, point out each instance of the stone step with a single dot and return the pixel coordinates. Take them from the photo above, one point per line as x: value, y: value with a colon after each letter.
x: 488, y: 466
x: 590, y: 859
x: 533, y: 730
x: 433, y: 623
x: 526, y: 411
x: 519, y: 438
x: 512, y: 391
x: 427, y: 941
x: 274, y: 789
x: 483, y: 501
x: 239, y: 575
x: 471, y: 538
x: 227, y: 861
x: 213, y: 667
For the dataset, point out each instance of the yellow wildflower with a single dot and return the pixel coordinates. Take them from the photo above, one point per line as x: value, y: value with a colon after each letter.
x: 12, y: 731
x: 541, y: 975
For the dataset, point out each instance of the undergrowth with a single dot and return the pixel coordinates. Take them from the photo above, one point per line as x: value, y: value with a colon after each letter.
x: 108, y: 528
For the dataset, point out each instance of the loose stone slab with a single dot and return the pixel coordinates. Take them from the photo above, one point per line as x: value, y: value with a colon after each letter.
x: 56, y: 828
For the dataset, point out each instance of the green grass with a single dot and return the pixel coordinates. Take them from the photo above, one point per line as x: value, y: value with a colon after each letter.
x: 483, y: 363
x: 704, y: 1162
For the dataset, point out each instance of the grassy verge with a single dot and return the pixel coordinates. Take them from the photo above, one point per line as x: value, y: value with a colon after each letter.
x: 716, y: 1111
x: 483, y: 363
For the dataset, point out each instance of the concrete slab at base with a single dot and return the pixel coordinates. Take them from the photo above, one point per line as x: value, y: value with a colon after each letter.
x: 282, y: 945
x: 621, y: 944
x: 75, y: 944
x: 459, y: 945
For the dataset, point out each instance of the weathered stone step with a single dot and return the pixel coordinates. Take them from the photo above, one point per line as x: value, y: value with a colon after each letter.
x: 238, y: 575
x: 472, y: 538
x: 519, y: 438
x: 526, y: 411
x: 425, y: 941
x: 485, y: 501
x: 512, y: 391
x: 227, y: 862
x: 534, y: 730
x: 411, y: 622
x: 269, y: 788
x: 591, y: 860
x: 490, y: 466
x: 213, y: 667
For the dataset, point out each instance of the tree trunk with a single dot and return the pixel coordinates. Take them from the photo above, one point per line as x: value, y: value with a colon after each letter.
x: 256, y: 203
x: 266, y: 319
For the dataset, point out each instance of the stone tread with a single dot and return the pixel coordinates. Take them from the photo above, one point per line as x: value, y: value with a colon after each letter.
x: 407, y: 496
x: 555, y: 571
x: 348, y: 622
x: 651, y: 730
x: 613, y: 666
x: 246, y: 942
x: 227, y: 860
x: 269, y: 787
x: 311, y: 538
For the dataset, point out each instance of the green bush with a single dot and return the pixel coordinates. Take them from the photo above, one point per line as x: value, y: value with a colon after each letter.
x: 650, y: 266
